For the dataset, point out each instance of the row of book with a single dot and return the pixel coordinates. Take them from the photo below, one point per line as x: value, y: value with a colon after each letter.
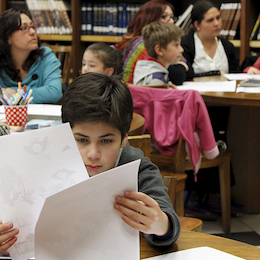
x: 230, y: 14
x: 49, y: 16
x: 184, y: 20
x: 107, y: 18
x: 255, y: 34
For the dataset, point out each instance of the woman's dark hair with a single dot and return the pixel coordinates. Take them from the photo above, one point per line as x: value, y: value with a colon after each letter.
x: 199, y: 10
x: 95, y: 97
x: 149, y: 12
x: 111, y: 57
x: 10, y: 21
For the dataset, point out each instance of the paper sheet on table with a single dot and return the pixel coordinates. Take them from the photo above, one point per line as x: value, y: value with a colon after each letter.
x: 41, y: 109
x: 248, y: 89
x: 35, y: 165
x: 240, y: 76
x: 199, y: 253
x: 81, y: 223
x: 211, y: 86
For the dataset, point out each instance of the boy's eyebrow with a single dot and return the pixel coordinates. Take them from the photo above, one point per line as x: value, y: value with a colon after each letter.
x: 102, y: 136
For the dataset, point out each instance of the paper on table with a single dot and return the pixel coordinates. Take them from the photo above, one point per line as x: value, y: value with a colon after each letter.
x: 41, y: 109
x: 248, y: 89
x: 35, y: 165
x: 81, y: 223
x: 240, y: 76
x: 199, y: 253
x: 211, y: 86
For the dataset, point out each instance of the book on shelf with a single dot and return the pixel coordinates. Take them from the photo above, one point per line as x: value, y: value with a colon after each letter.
x: 183, y: 19
x: 107, y: 18
x: 49, y: 16
x: 255, y: 31
x: 230, y: 19
x: 225, y: 12
x: 235, y: 22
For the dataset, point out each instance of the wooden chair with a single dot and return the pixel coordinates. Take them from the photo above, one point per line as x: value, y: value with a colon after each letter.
x: 64, y: 54
x: 143, y: 142
x: 180, y: 163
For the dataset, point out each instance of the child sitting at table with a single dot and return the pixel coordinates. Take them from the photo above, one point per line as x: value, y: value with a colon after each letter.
x: 102, y: 58
x: 99, y: 109
x: 255, y: 69
x: 162, y: 42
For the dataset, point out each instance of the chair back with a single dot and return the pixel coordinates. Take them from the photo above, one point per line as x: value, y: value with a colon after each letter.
x: 171, y: 183
x: 142, y: 142
x: 151, y: 86
x: 64, y: 54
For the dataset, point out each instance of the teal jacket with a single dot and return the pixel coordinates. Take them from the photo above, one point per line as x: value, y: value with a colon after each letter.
x: 43, y: 78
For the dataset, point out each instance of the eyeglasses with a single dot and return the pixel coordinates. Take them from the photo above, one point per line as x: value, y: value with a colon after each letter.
x: 168, y: 18
x: 26, y: 29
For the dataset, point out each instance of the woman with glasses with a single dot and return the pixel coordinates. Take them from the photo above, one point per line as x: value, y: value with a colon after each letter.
x: 23, y: 60
x: 132, y: 45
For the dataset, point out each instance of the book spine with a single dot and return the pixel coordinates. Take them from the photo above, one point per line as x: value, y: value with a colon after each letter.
x: 89, y: 19
x: 95, y: 18
x: 115, y: 19
x: 65, y: 16
x: 104, y: 22
x: 120, y: 19
x: 108, y: 18
x: 254, y: 31
x: 84, y: 18
x: 225, y: 15
x: 124, y: 19
x: 233, y: 30
x: 230, y: 18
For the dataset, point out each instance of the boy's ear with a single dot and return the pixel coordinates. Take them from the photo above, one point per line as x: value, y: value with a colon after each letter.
x: 124, y: 141
x: 110, y: 71
x: 158, y: 49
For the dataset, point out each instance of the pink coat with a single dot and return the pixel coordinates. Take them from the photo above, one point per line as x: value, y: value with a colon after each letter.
x: 170, y: 113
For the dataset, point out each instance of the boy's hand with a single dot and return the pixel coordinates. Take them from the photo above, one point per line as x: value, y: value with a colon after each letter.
x: 9, y: 91
x: 7, y: 239
x: 143, y: 213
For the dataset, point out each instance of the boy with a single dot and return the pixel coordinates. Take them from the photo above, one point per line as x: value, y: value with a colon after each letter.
x: 162, y: 42
x: 99, y: 109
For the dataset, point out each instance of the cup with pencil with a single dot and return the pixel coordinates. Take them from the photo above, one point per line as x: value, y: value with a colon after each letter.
x: 16, y: 106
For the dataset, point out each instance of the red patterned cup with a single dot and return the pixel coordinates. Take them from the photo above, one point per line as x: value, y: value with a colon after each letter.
x: 16, y: 115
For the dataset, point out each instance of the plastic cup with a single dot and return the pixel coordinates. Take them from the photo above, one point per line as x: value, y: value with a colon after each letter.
x: 16, y: 115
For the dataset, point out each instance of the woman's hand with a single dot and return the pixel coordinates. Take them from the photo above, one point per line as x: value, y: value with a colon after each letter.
x: 143, y: 213
x: 252, y: 70
x: 7, y: 236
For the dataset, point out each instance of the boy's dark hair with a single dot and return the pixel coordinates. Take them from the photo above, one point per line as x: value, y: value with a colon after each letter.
x: 10, y: 21
x: 159, y: 33
x: 94, y: 97
x: 111, y: 57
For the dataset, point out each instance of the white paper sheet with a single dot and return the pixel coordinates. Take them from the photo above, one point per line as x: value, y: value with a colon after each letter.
x: 35, y: 165
x: 41, y: 109
x: 210, y: 86
x: 248, y: 89
x: 81, y: 223
x: 199, y: 253
x: 240, y: 76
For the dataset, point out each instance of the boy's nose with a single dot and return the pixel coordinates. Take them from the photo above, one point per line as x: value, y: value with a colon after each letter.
x: 93, y: 152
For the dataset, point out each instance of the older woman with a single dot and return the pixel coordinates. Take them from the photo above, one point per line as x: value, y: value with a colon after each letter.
x: 206, y: 52
x: 22, y: 60
x: 132, y: 45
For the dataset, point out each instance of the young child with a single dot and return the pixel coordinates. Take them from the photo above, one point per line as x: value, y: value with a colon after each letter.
x: 102, y: 58
x: 255, y: 69
x: 99, y: 109
x: 162, y: 42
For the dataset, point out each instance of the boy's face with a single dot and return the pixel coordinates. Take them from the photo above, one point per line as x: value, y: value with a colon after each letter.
x: 172, y: 54
x: 99, y: 145
x: 91, y: 63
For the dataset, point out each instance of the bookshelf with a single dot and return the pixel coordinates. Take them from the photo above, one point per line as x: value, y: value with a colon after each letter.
x: 249, y: 13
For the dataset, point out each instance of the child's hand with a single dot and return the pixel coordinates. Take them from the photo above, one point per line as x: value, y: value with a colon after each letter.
x: 9, y: 237
x: 143, y: 213
x: 253, y: 70
x: 9, y: 91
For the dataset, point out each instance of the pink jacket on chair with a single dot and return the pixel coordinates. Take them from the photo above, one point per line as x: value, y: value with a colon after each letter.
x: 170, y: 113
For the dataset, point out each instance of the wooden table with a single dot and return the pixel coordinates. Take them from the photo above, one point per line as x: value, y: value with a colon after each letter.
x: 243, y: 136
x: 190, y: 239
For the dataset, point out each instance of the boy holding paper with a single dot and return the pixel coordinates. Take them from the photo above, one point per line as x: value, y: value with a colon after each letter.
x: 99, y: 109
